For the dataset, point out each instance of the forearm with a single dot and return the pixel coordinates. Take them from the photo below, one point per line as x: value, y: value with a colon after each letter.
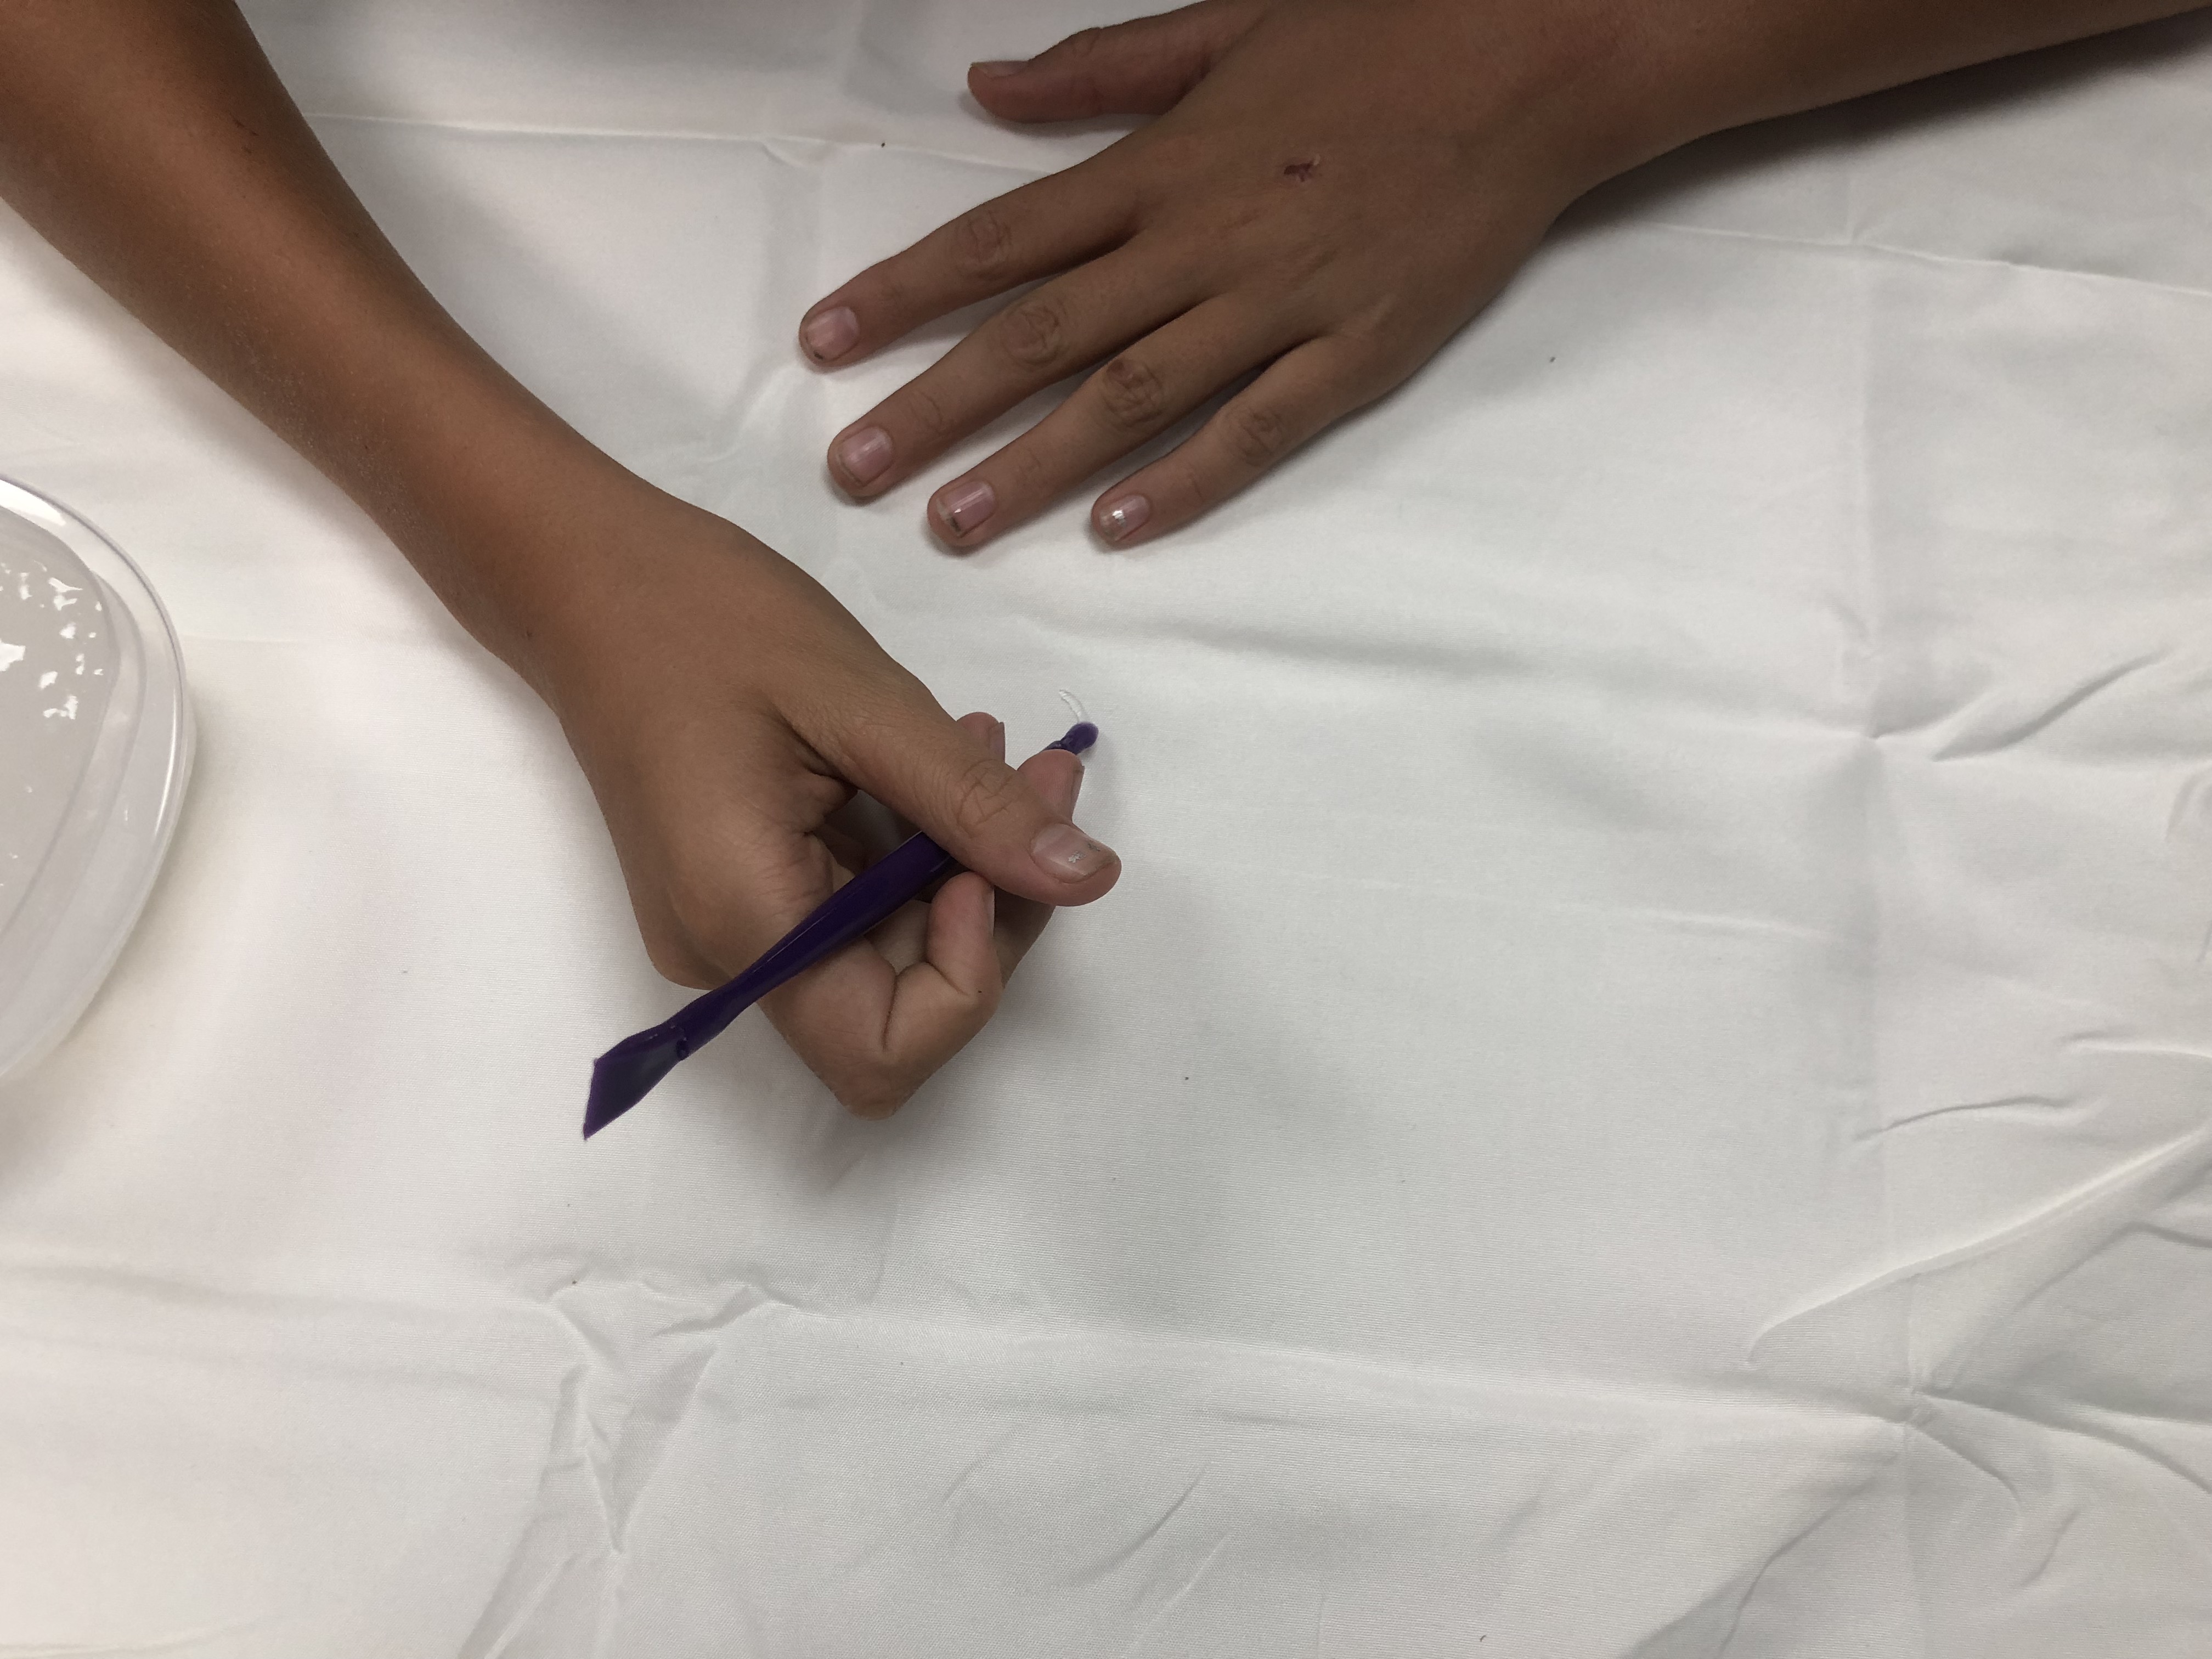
x: 721, y: 703
x: 1692, y: 67
x: 150, y: 140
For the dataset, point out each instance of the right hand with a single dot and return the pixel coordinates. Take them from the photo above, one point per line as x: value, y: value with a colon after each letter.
x: 724, y: 707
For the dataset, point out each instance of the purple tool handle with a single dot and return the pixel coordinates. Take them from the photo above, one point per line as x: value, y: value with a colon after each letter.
x: 626, y: 1073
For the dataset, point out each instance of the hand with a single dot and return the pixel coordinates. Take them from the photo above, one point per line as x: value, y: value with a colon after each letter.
x: 724, y: 707
x: 1334, y: 188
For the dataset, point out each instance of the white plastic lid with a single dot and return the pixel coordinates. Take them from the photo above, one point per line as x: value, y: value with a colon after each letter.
x: 95, y: 746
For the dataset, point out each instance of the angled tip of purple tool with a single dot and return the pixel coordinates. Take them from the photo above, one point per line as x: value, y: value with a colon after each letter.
x: 625, y: 1074
x: 1080, y: 736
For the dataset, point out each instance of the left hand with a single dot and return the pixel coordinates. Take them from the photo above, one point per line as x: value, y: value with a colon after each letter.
x: 1332, y: 189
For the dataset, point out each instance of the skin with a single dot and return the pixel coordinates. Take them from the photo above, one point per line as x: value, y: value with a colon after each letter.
x: 723, y: 705
x: 1330, y: 189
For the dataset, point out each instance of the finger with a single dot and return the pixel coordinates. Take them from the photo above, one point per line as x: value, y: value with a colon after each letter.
x: 989, y: 728
x: 1302, y: 393
x: 736, y: 880
x: 941, y: 1002
x: 872, y: 1032
x: 1138, y: 394
x: 996, y: 821
x: 962, y: 944
x: 874, y: 1036
x: 1042, y: 227
x: 872, y: 1054
x: 849, y: 853
x: 1064, y: 327
x: 1057, y: 776
x: 1138, y: 68
x: 903, y: 939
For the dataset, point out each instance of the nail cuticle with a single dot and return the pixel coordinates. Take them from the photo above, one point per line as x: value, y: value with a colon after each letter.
x: 865, y: 455
x: 964, y: 506
x: 1123, y: 518
x: 829, y: 336
x: 1069, y: 853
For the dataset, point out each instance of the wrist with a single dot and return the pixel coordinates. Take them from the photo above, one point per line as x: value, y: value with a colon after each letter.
x: 510, y: 516
x: 1675, y: 70
x: 1593, y: 88
x: 576, y: 573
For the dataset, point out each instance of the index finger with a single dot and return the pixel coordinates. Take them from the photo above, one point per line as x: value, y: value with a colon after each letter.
x: 1041, y: 228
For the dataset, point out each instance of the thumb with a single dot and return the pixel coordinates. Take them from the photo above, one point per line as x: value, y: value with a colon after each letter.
x: 1138, y: 68
x: 1004, y: 825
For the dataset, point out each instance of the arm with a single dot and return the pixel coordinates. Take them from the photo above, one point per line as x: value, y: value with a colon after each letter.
x: 721, y: 703
x: 1331, y: 190
x: 154, y: 145
x: 1737, y: 61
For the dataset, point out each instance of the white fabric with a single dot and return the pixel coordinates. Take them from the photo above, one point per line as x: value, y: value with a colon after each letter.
x: 1645, y: 1092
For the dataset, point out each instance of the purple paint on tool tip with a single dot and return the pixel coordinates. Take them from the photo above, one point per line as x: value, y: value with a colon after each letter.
x: 626, y: 1073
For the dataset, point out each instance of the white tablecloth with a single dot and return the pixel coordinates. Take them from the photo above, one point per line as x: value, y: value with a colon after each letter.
x: 1646, y: 1092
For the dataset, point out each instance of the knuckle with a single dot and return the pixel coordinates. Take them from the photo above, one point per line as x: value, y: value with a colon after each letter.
x: 1025, y: 469
x: 1255, y: 433
x: 1353, y: 368
x: 873, y: 1075
x: 1367, y: 365
x: 989, y: 790
x: 1083, y: 42
x: 928, y: 413
x: 866, y: 1073
x: 1192, y: 483
x: 675, y: 959
x: 1352, y: 348
x: 866, y: 1092
x: 986, y: 999
x: 1131, y: 393
x: 982, y: 243
x: 1360, y: 385
x: 1035, y: 333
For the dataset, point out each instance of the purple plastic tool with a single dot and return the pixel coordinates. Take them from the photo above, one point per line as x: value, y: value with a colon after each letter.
x: 625, y: 1074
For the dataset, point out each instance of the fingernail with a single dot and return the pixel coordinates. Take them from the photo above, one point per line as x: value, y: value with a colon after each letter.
x: 964, y: 506
x: 1064, y: 795
x: 830, y: 335
x: 1066, y: 852
x: 999, y: 68
x: 998, y: 739
x: 990, y: 908
x: 1124, y: 517
x: 865, y: 454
